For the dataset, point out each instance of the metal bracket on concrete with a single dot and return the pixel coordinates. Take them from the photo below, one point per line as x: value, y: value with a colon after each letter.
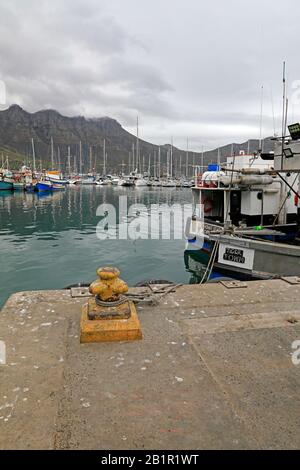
x: 80, y: 292
x: 294, y: 280
x: 234, y: 284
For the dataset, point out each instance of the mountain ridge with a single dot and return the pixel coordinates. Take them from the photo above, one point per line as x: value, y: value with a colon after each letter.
x: 18, y: 127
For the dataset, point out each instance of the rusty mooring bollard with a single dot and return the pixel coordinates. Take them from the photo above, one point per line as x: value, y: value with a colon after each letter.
x: 109, y: 316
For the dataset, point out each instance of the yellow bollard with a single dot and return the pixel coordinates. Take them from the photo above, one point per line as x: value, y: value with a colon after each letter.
x: 108, y: 316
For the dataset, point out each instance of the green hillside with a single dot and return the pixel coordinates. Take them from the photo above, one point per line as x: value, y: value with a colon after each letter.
x: 15, y: 159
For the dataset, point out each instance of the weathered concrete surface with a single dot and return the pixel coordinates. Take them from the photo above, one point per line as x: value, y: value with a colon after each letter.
x: 214, y: 370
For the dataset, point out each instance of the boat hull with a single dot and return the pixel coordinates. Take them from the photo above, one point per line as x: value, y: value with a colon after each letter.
x: 58, y: 182
x: 19, y: 187
x: 248, y: 258
x: 43, y: 187
x: 6, y: 186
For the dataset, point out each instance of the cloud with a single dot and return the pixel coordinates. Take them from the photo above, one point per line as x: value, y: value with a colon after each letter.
x: 188, y: 69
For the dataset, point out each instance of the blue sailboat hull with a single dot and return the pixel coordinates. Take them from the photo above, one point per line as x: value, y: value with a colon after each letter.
x: 43, y: 187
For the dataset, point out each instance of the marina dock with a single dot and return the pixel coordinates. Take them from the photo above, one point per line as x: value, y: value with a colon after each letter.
x: 214, y: 371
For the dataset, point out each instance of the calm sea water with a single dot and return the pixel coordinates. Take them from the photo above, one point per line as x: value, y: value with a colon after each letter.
x: 50, y: 242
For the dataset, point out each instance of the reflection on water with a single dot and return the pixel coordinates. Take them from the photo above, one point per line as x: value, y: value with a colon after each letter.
x: 49, y: 241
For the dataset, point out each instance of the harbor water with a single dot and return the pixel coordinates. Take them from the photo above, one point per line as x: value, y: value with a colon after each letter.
x: 49, y: 241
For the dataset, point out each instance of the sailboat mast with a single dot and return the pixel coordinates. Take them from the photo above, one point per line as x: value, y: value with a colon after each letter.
x: 171, y: 158
x: 58, y: 158
x: 80, y: 157
x: 137, y: 141
x: 69, y: 160
x: 187, y: 159
x: 104, y: 157
x: 95, y: 163
x: 52, y: 154
x: 159, y: 162
x: 33, y: 154
x: 133, y: 150
x: 91, y: 156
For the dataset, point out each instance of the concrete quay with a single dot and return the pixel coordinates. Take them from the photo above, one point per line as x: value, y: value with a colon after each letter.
x: 214, y: 371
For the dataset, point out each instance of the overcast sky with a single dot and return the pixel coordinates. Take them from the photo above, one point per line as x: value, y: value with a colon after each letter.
x: 189, y: 68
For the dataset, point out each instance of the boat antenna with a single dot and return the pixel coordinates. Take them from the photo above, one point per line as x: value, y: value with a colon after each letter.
x: 261, y: 119
x: 283, y: 113
x: 273, y: 113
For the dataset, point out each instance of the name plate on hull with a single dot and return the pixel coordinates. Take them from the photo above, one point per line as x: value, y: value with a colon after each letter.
x: 235, y: 256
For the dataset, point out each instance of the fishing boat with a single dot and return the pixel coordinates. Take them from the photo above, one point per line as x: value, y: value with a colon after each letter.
x: 6, y: 180
x: 5, y: 185
x: 246, y: 221
x: 56, y: 178
x: 44, y: 185
x: 18, y: 185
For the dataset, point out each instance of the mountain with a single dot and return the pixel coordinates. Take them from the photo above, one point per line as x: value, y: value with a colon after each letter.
x: 18, y: 127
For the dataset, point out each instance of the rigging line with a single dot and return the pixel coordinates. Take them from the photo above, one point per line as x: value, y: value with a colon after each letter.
x: 288, y: 185
x: 285, y: 199
x: 230, y: 187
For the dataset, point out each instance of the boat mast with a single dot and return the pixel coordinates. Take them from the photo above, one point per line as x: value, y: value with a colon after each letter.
x: 168, y: 163
x: 95, y: 162
x: 104, y: 157
x: 52, y: 154
x: 171, y: 158
x: 91, y: 156
x: 69, y: 160
x: 80, y: 157
x: 159, y: 162
x: 133, y: 150
x: 137, y: 142
x: 58, y: 158
x: 187, y: 159
x: 283, y: 113
x: 261, y: 119
x: 33, y: 154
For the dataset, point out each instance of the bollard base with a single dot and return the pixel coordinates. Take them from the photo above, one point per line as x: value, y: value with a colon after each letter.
x: 107, y: 330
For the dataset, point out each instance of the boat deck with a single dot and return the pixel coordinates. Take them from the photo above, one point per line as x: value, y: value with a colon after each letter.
x: 214, y: 370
